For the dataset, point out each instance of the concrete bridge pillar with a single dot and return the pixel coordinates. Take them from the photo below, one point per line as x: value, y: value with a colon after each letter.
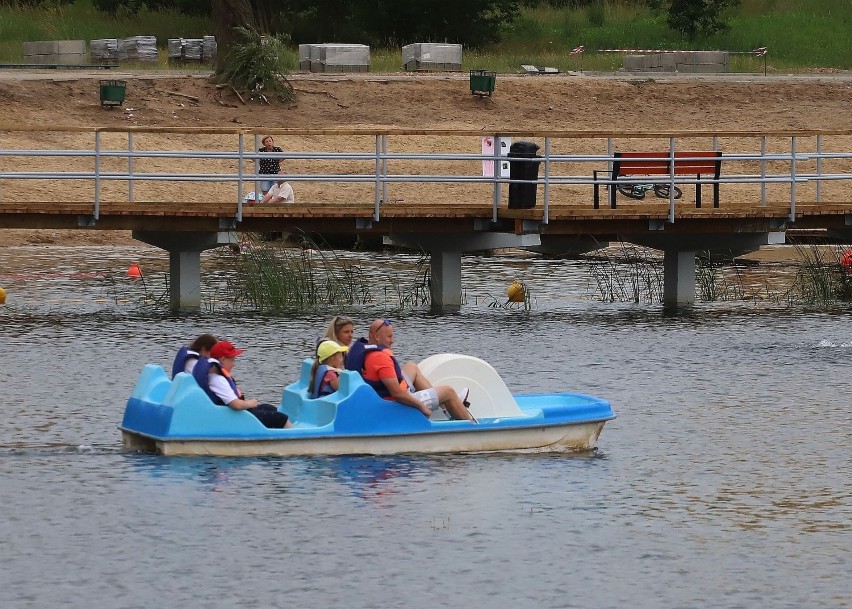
x: 185, y: 262
x: 445, y: 286
x: 678, y: 277
x: 445, y: 251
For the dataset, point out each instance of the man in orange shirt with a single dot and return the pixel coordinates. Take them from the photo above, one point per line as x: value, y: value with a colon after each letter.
x: 404, y: 384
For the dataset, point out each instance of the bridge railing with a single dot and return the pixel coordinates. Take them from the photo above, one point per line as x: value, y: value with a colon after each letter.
x: 377, y: 168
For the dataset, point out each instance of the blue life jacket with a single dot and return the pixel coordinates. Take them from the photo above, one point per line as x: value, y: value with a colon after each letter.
x: 319, y: 389
x: 357, y: 354
x: 180, y: 360
x: 201, y: 373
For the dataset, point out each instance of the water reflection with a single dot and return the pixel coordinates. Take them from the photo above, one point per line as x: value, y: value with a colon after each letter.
x: 376, y: 479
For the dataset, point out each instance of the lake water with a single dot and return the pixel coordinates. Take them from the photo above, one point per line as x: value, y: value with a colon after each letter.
x: 724, y: 482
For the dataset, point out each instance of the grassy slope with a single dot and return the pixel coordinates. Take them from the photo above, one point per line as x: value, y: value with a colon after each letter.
x: 800, y: 34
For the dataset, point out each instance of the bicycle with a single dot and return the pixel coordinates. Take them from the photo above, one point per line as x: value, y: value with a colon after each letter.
x: 637, y: 191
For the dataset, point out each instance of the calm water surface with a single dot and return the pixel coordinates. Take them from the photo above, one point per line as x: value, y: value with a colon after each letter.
x: 724, y: 482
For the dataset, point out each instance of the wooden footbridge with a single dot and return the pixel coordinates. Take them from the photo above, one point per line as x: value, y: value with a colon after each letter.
x: 442, y: 191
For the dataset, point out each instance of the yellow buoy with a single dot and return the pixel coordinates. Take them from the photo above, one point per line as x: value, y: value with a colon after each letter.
x: 2, y: 296
x: 516, y: 292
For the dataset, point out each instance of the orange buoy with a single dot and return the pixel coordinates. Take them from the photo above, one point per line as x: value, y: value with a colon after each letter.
x: 134, y: 271
x: 516, y: 292
x: 2, y: 296
x: 846, y: 259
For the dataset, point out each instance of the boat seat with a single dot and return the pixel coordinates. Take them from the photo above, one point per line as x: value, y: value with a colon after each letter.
x: 296, y: 402
x: 152, y: 386
x: 489, y: 396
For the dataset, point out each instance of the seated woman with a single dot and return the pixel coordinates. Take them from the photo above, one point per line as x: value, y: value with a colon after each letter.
x: 187, y: 356
x: 325, y: 373
x: 340, y: 329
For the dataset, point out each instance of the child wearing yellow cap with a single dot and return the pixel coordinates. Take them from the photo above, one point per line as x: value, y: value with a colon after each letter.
x: 325, y: 373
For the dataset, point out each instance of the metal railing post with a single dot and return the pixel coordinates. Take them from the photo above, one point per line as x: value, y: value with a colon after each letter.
x: 495, y: 176
x: 257, y: 189
x: 671, y: 179
x: 793, y: 179
x: 97, y: 213
x: 378, y: 183
x: 385, y: 199
x: 240, y: 160
x: 546, y: 217
x: 819, y: 169
x: 130, y: 166
x: 609, y: 153
x: 763, y: 171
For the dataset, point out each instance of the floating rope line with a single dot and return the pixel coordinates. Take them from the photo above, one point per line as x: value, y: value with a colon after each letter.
x: 55, y: 276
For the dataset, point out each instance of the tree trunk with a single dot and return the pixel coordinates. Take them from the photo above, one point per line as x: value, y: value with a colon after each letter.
x: 228, y: 14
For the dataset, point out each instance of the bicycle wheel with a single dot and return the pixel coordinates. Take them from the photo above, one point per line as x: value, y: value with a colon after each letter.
x: 662, y: 191
x: 633, y: 191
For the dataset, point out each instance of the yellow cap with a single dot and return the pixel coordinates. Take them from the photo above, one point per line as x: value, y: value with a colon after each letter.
x: 327, y: 348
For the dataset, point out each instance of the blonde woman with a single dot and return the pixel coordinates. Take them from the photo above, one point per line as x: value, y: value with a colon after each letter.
x: 340, y: 329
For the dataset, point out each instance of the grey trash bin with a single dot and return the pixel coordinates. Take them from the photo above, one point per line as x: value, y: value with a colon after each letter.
x: 522, y: 196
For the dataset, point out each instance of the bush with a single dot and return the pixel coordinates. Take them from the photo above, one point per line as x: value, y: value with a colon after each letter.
x: 256, y: 67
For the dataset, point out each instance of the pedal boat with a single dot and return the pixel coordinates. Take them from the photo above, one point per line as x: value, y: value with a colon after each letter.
x: 178, y: 418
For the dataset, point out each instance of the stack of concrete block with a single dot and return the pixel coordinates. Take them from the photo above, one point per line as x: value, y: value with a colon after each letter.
x: 186, y: 49
x: 104, y: 50
x: 305, y: 57
x: 693, y: 61
x: 58, y: 52
x: 333, y: 57
x: 704, y: 61
x: 432, y: 56
x: 208, y: 49
x: 138, y: 48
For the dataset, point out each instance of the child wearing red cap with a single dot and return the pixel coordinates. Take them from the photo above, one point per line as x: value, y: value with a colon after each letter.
x: 220, y: 384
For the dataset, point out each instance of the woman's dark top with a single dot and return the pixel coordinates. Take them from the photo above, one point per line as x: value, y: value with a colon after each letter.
x: 270, y: 165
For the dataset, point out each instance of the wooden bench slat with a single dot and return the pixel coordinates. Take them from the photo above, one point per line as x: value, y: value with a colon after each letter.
x: 644, y: 163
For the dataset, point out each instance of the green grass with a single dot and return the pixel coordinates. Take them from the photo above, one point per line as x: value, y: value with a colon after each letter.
x: 80, y: 21
x: 801, y: 34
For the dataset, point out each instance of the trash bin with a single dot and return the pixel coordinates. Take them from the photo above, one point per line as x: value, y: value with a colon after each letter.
x: 482, y: 82
x: 112, y: 92
x: 522, y: 196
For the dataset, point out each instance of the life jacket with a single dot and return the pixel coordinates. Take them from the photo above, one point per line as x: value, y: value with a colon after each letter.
x: 201, y: 373
x: 182, y: 356
x: 319, y: 388
x: 356, y: 357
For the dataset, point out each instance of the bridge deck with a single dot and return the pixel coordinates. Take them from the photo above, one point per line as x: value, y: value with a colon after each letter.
x: 430, y: 180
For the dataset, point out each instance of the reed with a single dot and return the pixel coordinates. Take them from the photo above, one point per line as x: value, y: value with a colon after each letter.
x: 713, y: 285
x: 629, y: 274
x: 272, y: 277
x: 822, y: 279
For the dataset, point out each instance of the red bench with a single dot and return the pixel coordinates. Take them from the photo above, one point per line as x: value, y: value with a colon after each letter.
x: 630, y: 164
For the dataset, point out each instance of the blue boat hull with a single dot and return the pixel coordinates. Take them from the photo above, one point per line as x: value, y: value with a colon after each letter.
x: 177, y: 418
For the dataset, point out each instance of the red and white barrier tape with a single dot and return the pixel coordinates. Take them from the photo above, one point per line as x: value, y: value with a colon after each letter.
x: 758, y: 52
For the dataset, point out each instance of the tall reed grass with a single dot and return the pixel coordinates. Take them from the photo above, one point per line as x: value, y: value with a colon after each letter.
x: 822, y: 279
x: 274, y: 277
x: 627, y: 273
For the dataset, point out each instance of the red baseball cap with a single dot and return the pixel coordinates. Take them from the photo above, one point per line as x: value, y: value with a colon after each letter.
x: 224, y: 349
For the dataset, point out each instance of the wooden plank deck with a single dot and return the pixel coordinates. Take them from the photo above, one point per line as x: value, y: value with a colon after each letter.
x: 431, y: 217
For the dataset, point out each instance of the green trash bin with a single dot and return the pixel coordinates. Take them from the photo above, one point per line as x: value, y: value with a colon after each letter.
x: 112, y: 92
x: 482, y: 82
